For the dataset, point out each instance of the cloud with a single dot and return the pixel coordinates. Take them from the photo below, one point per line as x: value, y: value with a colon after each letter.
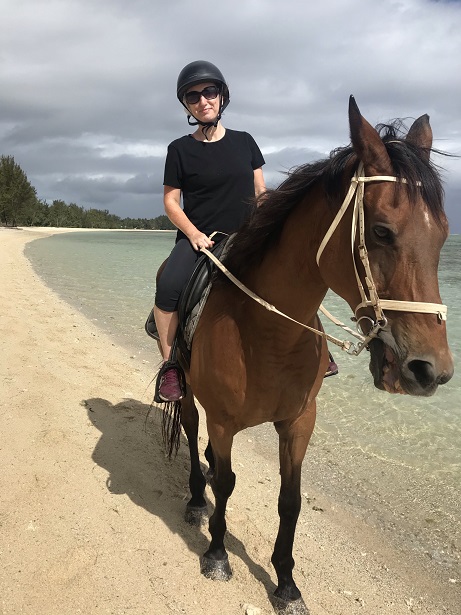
x: 88, y: 89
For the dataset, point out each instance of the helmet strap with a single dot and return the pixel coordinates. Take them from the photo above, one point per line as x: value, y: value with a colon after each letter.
x: 205, y: 125
x: 200, y: 123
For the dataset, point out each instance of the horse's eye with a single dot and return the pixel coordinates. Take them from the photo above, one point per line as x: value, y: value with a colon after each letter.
x: 383, y: 233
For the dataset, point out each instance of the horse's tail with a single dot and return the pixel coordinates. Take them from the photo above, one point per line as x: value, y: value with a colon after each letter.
x: 171, y: 427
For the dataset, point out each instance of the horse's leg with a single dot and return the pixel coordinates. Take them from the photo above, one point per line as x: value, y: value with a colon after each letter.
x: 293, y: 438
x: 215, y: 562
x: 196, y: 509
x: 210, y: 458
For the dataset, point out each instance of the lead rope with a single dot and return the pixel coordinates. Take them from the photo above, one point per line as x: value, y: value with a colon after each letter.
x: 343, y: 344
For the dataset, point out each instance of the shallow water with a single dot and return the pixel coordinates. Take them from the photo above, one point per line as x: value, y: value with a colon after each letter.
x: 410, y: 445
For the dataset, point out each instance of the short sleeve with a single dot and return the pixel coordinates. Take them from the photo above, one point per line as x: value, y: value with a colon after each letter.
x: 173, y: 170
x: 257, y: 159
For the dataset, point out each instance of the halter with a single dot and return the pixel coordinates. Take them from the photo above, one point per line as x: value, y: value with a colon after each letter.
x: 357, y: 188
x: 370, y: 296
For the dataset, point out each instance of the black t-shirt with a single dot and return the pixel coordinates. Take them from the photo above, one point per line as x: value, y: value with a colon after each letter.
x: 216, y: 179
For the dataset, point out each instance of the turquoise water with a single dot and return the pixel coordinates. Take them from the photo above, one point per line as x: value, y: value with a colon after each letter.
x: 110, y: 277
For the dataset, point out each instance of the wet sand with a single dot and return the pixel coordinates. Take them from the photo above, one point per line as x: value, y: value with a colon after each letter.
x: 91, y: 512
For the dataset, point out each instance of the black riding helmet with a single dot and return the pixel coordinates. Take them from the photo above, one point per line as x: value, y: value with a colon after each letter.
x: 201, y: 71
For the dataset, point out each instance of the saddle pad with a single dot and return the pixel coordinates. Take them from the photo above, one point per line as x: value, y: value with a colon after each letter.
x: 193, y: 298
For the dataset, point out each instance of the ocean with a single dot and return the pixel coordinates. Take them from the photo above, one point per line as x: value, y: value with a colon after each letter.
x: 392, y: 460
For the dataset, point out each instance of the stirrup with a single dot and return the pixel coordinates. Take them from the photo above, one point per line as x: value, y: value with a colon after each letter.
x: 181, y: 379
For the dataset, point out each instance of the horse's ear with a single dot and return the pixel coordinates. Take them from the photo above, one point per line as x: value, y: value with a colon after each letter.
x: 420, y: 134
x: 366, y: 142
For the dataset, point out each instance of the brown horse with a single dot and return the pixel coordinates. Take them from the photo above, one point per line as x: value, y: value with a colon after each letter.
x: 250, y: 366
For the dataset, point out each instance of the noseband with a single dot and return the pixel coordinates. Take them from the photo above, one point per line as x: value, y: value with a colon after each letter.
x: 369, y: 295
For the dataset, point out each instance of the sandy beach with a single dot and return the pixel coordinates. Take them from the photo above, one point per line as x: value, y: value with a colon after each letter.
x: 91, y: 511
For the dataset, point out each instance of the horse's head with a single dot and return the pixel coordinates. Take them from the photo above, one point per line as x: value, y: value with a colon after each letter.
x: 404, y: 230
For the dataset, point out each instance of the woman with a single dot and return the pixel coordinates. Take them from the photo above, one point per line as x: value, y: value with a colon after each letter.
x: 217, y: 172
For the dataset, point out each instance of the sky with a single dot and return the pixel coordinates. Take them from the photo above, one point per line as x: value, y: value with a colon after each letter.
x: 88, y: 88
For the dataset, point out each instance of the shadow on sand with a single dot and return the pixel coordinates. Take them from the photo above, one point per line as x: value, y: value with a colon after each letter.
x: 131, y: 450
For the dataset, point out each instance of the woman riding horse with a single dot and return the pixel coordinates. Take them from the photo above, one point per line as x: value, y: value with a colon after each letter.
x: 217, y: 172
x: 368, y: 223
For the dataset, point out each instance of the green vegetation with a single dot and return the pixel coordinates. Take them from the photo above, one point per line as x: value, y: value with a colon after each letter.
x: 19, y: 206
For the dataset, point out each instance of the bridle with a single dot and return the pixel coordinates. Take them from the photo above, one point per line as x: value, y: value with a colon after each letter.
x: 369, y: 295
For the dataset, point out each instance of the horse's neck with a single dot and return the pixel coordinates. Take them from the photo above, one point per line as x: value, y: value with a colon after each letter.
x: 288, y: 276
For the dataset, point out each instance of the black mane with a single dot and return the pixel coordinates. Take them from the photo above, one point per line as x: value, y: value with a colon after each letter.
x: 263, y: 228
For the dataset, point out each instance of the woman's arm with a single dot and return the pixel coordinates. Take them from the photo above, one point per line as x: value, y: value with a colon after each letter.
x: 172, y: 203
x: 260, y: 185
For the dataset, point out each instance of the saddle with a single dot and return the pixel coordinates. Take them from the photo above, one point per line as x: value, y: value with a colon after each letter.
x: 191, y: 301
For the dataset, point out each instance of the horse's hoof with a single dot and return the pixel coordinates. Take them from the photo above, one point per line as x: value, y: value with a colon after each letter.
x: 196, y: 515
x: 289, y: 607
x: 215, y: 569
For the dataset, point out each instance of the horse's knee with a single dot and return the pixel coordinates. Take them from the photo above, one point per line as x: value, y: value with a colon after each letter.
x: 223, y: 486
x: 289, y: 506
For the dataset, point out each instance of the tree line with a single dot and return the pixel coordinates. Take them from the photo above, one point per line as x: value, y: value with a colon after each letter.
x: 20, y: 206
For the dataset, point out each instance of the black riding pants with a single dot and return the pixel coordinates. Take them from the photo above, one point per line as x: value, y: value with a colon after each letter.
x: 178, y: 269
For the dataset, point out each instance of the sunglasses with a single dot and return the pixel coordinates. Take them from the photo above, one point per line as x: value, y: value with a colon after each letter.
x: 209, y: 93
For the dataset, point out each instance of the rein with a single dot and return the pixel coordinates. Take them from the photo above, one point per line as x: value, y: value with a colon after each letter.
x: 370, y: 296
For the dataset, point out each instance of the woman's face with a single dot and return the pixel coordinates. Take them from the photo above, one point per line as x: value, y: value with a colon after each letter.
x: 205, y: 110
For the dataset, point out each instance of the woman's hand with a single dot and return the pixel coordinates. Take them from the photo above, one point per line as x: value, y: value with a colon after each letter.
x: 172, y: 201
x: 199, y: 240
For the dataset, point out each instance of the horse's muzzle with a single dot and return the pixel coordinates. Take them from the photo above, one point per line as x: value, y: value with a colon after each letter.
x: 411, y: 376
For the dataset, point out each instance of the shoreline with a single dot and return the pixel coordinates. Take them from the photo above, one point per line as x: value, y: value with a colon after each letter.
x: 94, y: 510
x: 54, y: 230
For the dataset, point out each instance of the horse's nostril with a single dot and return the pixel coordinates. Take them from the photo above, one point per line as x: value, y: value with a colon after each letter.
x: 423, y: 371
x: 444, y: 378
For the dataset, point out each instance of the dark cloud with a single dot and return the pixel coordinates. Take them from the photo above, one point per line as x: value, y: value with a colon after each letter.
x: 88, y: 89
